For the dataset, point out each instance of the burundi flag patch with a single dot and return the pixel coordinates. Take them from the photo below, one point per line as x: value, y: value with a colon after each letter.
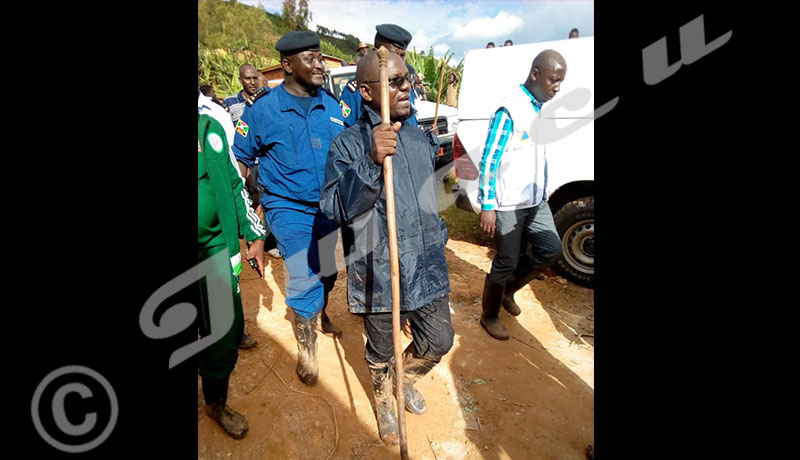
x: 242, y: 128
x: 524, y: 136
x: 345, y: 109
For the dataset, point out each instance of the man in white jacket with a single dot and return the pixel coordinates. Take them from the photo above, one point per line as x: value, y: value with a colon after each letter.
x: 513, y: 192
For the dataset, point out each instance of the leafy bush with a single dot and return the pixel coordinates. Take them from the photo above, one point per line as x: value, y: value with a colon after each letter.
x: 432, y: 68
x: 220, y: 68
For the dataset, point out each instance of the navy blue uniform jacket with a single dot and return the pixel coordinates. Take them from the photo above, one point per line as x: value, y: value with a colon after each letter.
x: 354, y: 196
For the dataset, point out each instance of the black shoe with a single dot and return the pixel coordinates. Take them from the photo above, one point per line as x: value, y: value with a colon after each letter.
x: 383, y: 388
x: 233, y: 423
x: 492, y: 297
x: 215, y: 394
x: 305, y: 331
x: 247, y: 342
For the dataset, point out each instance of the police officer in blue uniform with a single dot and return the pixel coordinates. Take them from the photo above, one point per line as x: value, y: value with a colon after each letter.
x: 290, y: 129
x: 396, y: 39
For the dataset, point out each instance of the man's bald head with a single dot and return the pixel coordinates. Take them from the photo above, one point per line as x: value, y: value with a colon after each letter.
x: 549, y: 59
x: 367, y: 75
x: 368, y: 67
x: 547, y: 71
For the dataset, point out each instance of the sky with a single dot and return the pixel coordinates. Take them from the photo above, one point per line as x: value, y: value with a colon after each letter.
x: 448, y: 24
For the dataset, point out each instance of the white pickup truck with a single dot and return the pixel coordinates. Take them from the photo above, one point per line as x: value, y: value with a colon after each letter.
x: 447, y: 120
x: 566, y: 127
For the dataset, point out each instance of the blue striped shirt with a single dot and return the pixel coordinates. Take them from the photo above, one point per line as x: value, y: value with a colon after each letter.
x: 501, y: 127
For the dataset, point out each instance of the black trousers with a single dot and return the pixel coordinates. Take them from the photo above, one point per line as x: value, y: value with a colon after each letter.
x: 218, y: 360
x: 430, y: 327
x: 515, y: 229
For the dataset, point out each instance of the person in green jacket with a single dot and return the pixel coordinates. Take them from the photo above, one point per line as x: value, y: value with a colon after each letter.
x: 224, y: 215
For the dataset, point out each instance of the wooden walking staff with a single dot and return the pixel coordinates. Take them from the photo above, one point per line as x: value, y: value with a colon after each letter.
x: 438, y: 98
x: 394, y: 257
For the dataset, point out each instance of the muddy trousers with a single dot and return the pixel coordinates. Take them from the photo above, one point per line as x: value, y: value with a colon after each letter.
x: 431, y: 330
x: 216, y: 362
x: 515, y: 230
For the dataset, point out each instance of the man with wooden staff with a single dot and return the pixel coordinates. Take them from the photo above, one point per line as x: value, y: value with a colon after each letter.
x: 354, y: 196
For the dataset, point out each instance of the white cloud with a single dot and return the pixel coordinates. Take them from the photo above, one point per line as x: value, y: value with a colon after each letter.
x: 440, y: 49
x: 422, y: 41
x: 487, y: 27
x: 461, y: 24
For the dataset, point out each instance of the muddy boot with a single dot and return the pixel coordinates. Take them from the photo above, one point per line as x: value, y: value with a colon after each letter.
x: 327, y: 325
x: 519, y: 281
x: 247, y: 342
x: 305, y: 331
x: 215, y: 393
x: 414, y: 369
x: 383, y: 388
x: 492, y: 297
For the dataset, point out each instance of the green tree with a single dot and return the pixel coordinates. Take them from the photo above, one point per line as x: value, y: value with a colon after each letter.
x: 290, y: 14
x: 304, y: 15
x: 296, y: 16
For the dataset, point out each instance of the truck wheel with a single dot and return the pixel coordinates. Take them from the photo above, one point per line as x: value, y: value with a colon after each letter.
x: 575, y: 224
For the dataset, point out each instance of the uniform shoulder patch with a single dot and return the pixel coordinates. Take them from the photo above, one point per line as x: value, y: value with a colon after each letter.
x: 352, y: 86
x: 260, y: 93
x: 242, y: 127
x: 345, y: 108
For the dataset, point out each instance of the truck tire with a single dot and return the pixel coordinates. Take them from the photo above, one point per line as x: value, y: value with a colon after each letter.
x: 575, y: 225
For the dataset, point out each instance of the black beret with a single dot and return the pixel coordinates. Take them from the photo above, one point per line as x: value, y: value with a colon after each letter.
x: 393, y: 34
x: 297, y: 42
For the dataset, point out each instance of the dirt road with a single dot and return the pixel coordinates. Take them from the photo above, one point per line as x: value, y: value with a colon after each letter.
x: 531, y: 397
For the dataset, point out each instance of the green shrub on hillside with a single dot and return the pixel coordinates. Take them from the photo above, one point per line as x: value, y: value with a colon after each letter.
x: 236, y: 27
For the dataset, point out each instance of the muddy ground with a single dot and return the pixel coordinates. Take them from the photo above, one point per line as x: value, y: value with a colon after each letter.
x: 531, y: 397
